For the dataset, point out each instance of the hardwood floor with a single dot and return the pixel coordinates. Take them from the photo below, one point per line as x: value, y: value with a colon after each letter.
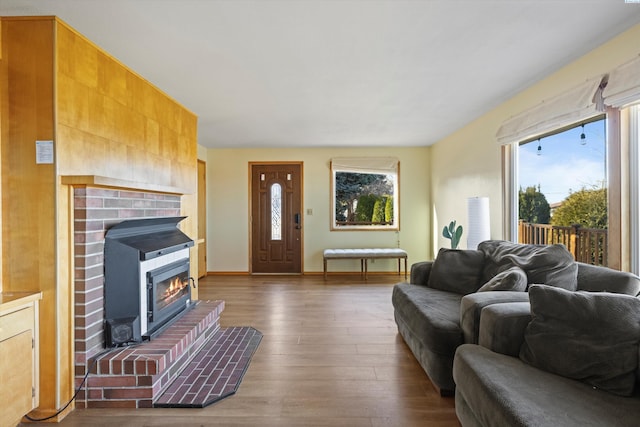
x: 330, y: 356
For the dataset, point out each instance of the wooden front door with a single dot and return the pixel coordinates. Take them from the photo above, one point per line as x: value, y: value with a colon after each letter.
x: 276, y: 218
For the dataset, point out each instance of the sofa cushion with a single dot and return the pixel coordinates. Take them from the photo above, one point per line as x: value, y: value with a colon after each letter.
x: 551, y: 265
x: 472, y: 305
x: 502, y: 327
x: 431, y: 314
x: 500, y: 390
x: 420, y: 272
x: 588, y: 336
x: 457, y: 270
x: 512, y: 279
x: 428, y: 320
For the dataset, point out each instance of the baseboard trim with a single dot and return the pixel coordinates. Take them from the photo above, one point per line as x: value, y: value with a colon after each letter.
x: 306, y: 273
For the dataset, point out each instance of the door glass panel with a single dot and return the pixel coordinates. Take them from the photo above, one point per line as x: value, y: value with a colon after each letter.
x: 276, y: 212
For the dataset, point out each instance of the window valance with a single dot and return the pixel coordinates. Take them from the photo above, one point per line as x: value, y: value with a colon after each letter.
x: 365, y: 164
x: 574, y: 105
x: 623, y: 88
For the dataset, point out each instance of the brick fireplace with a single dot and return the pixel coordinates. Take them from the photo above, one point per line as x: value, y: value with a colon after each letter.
x: 96, y: 210
x: 190, y: 362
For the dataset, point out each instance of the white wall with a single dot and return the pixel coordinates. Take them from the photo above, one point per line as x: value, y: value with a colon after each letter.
x: 202, y: 153
x: 228, y: 207
x: 435, y: 181
x: 468, y: 163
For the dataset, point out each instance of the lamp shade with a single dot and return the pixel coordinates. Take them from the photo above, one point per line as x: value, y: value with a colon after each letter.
x: 479, y: 228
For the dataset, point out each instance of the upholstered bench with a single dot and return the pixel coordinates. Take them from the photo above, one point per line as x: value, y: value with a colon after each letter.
x: 364, y: 255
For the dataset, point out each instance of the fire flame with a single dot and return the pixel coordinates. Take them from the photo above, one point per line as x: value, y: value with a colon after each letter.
x: 175, y: 287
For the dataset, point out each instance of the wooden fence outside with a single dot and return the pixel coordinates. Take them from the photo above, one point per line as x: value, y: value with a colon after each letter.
x: 587, y: 245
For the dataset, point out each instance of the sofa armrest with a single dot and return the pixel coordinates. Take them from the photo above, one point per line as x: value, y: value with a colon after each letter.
x: 471, y: 305
x: 603, y: 279
x: 502, y: 327
x: 420, y: 272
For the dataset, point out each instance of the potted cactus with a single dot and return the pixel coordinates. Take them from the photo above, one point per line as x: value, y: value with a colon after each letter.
x: 453, y: 233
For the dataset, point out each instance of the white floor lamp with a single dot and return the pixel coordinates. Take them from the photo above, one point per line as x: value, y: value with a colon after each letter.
x: 479, y: 228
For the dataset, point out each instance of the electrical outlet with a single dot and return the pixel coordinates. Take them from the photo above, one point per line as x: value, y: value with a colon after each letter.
x: 309, y: 211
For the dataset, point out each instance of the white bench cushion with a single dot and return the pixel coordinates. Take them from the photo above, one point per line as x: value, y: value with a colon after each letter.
x: 365, y: 253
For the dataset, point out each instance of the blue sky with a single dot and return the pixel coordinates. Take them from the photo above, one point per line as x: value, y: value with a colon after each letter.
x: 564, y: 164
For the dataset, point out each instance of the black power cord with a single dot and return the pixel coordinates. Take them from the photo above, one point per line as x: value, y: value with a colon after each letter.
x: 95, y: 359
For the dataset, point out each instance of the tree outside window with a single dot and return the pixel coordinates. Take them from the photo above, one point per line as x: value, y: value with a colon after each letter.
x: 365, y: 198
x: 533, y: 206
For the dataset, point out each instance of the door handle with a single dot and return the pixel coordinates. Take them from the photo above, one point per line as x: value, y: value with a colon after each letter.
x: 296, y: 218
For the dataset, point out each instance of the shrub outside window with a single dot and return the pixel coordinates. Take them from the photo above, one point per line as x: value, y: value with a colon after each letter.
x: 364, y: 193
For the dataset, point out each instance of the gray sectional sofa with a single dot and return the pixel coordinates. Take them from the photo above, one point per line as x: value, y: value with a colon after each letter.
x: 562, y: 352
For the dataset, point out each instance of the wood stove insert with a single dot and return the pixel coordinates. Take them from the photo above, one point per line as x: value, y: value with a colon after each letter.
x: 147, y: 282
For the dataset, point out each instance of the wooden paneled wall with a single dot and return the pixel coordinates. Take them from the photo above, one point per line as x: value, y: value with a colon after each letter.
x: 111, y: 122
x: 4, y: 103
x: 28, y: 189
x: 105, y: 120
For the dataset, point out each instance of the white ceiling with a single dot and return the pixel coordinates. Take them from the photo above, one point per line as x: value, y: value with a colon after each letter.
x: 320, y: 73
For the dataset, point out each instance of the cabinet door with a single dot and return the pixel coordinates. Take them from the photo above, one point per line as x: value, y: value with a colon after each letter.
x: 16, y: 374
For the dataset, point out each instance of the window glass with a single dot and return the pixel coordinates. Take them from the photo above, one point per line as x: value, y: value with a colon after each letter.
x: 364, y: 200
x: 276, y: 212
x: 562, y: 191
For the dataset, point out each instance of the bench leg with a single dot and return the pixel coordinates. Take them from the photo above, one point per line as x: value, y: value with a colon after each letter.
x: 365, y: 268
x: 325, y: 268
x: 405, y: 268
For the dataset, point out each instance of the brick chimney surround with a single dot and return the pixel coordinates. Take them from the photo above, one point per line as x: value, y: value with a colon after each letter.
x: 131, y: 377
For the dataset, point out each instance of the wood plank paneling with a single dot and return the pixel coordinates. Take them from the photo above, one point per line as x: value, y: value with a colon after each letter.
x: 64, y: 300
x: 4, y: 103
x: 110, y: 107
x: 105, y: 120
x: 28, y: 189
x: 202, y: 219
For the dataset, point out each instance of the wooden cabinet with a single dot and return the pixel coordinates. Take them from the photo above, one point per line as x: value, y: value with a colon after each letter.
x: 18, y: 355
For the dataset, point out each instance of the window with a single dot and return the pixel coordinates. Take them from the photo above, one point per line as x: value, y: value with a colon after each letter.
x: 618, y: 94
x: 562, y: 190
x: 634, y: 167
x: 364, y: 193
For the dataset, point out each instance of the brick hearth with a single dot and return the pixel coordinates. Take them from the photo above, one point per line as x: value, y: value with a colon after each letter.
x: 135, y: 376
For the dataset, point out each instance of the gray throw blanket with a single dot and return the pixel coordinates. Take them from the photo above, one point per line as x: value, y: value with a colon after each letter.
x: 551, y: 265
